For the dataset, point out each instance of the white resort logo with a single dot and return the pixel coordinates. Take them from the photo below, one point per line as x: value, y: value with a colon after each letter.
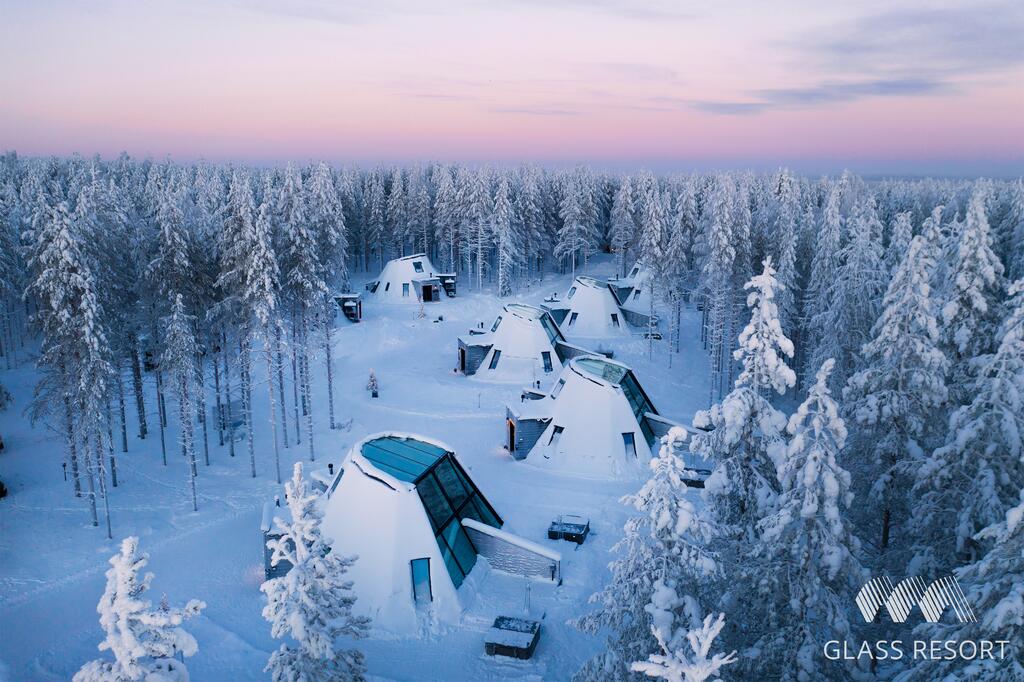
x: 933, y: 600
x: 901, y: 599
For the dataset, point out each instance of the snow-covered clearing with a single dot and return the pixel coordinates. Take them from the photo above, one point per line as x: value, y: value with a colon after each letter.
x: 51, y: 572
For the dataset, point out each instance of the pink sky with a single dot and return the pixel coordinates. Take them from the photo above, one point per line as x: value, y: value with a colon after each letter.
x: 885, y: 87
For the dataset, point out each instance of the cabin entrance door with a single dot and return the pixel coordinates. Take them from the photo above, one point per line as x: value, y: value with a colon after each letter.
x: 462, y: 360
x: 428, y: 293
x: 511, y: 435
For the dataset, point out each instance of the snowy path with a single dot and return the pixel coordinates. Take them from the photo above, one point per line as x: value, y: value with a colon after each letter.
x: 51, y: 575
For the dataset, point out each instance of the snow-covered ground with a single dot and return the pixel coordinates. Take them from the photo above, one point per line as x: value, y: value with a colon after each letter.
x: 52, y: 560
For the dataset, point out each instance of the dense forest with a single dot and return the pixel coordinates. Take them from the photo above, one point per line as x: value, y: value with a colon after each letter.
x: 866, y: 342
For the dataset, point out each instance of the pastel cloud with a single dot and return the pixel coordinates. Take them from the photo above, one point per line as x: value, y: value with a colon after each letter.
x: 613, y: 80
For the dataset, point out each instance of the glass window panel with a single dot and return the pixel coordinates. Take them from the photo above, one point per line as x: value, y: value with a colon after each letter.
x: 417, y: 266
x: 630, y: 442
x: 451, y: 483
x: 387, y: 285
x: 636, y: 294
x: 494, y: 327
x: 615, y: 319
x: 421, y: 591
x: 556, y: 433
x: 434, y: 502
x: 454, y: 570
x: 478, y: 511
x: 546, y: 356
x: 572, y: 319
x: 549, y: 327
x: 557, y: 389
x: 405, y: 289
x: 572, y: 292
x: 495, y: 356
x: 455, y: 535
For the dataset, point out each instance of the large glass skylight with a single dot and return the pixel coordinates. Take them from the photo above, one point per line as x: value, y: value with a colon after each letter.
x: 446, y: 491
x: 404, y: 458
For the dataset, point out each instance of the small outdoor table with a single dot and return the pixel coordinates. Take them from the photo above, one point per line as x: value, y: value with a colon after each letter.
x: 513, y: 637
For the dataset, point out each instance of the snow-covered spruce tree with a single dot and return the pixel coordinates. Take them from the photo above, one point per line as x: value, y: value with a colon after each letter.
x: 970, y: 310
x: 819, y: 290
x: 507, y: 242
x: 397, y: 223
x: 576, y: 235
x: 420, y: 226
x: 685, y: 650
x: 179, y: 361
x: 260, y: 298
x: 476, y: 207
x: 653, y: 237
x: 994, y: 587
x: 664, y: 544
x: 894, y: 398
x: 1013, y: 229
x: 808, y: 549
x: 623, y: 228
x: 743, y: 439
x: 854, y: 298
x: 901, y: 231
x: 75, y: 355
x: 143, y: 640
x: 311, y: 603
x: 446, y: 218
x: 787, y: 228
x: 716, y: 275
x: 977, y: 473
x: 327, y: 221
x: 236, y: 238
x: 676, y: 268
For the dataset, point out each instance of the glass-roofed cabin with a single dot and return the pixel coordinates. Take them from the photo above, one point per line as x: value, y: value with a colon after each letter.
x: 407, y: 507
x: 596, y: 420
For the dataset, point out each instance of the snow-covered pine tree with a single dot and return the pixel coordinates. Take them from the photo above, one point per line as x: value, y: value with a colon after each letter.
x: 787, y: 229
x: 233, y: 282
x: 311, y: 603
x: 75, y: 353
x: 260, y: 298
x: 397, y: 214
x: 575, y: 236
x: 664, y: 545
x: 716, y: 275
x: 446, y: 219
x: 507, y: 242
x: 143, y: 640
x: 653, y: 233
x: 893, y: 399
x: 901, y: 231
x: 476, y: 208
x: 977, y: 473
x: 327, y: 224
x: 675, y: 663
x: 819, y: 290
x: 420, y: 227
x: 179, y: 361
x: 743, y: 439
x: 855, y: 296
x: 970, y: 311
x: 808, y: 551
x: 623, y: 228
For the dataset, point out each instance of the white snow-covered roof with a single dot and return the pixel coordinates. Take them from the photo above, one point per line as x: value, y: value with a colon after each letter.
x: 520, y: 337
x: 399, y: 278
x: 391, y: 504
x: 639, y: 296
x: 593, y: 310
x: 597, y: 426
